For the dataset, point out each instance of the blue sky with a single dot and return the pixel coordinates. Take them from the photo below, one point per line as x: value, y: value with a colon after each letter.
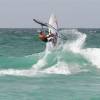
x: 70, y: 13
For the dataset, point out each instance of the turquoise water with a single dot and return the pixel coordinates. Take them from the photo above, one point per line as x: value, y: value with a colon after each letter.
x: 29, y: 70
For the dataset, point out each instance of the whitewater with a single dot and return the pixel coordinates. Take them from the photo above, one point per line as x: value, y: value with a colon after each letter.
x: 33, y: 70
x: 68, y: 57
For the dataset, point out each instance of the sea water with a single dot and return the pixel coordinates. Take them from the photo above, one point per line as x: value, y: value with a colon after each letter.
x: 30, y: 70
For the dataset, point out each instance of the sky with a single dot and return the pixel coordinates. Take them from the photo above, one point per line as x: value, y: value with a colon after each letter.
x: 70, y: 13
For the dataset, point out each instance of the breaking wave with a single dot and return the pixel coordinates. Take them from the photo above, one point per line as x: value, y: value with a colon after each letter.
x: 69, y: 57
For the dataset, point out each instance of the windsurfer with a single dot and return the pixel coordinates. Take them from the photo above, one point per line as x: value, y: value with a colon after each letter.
x: 46, y: 38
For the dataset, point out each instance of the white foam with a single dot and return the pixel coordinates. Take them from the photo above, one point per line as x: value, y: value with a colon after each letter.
x: 15, y: 72
x: 92, y: 55
x: 64, y: 68
x: 59, y: 68
x: 77, y: 44
x: 42, y: 62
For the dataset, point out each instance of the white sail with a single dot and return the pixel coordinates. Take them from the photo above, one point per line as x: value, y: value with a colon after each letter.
x: 53, y: 30
x: 53, y: 22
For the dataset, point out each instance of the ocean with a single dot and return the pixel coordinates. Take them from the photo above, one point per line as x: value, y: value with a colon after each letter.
x: 30, y: 70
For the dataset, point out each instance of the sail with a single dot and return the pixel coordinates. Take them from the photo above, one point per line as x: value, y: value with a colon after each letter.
x: 53, y: 22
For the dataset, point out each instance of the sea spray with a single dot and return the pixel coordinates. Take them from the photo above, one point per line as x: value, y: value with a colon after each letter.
x: 68, y: 57
x: 65, y: 73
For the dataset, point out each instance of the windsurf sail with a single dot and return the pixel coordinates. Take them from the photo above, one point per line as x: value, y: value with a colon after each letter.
x: 53, y: 22
x: 52, y: 28
x: 44, y: 24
